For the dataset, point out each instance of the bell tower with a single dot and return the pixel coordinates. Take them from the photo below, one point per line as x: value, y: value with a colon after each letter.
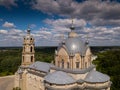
x: 28, y: 52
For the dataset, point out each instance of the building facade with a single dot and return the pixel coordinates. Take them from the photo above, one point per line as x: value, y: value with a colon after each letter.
x: 72, y: 68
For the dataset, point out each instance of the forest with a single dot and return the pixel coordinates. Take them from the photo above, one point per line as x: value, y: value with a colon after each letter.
x: 108, y: 60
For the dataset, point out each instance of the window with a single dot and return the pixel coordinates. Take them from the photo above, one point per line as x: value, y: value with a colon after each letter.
x: 23, y: 58
x: 31, y: 49
x: 68, y: 65
x: 62, y: 63
x: 31, y: 58
x: 77, y: 64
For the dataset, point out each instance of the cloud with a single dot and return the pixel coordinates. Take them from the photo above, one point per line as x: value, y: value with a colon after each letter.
x: 8, y: 3
x: 11, y: 37
x: 97, y: 12
x: 43, y: 31
x: 3, y: 31
x: 8, y: 25
x: 59, y: 29
x: 63, y: 25
x: 54, y: 6
x: 16, y: 32
x: 47, y: 36
x: 32, y: 25
x: 66, y: 22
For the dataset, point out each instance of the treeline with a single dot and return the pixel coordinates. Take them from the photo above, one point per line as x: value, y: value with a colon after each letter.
x: 109, y: 62
x: 10, y: 58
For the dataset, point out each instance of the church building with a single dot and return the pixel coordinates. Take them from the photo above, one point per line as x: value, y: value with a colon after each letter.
x: 72, y: 68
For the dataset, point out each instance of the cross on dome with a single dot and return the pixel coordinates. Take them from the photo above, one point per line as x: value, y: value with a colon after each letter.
x: 72, y: 26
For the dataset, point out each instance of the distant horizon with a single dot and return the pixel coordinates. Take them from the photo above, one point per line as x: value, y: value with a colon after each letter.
x: 52, y: 46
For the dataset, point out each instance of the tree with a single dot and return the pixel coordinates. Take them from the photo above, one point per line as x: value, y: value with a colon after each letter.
x: 109, y: 62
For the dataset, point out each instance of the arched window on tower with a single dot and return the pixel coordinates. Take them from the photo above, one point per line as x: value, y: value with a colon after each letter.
x: 31, y: 40
x: 31, y: 58
x: 77, y: 64
x: 62, y: 63
x: 30, y: 49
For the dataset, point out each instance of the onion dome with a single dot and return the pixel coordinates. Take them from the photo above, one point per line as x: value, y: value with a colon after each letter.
x: 96, y: 77
x: 59, y: 77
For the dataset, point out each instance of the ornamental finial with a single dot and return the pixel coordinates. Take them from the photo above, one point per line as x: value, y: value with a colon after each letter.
x: 87, y: 41
x: 72, y: 26
x: 28, y: 30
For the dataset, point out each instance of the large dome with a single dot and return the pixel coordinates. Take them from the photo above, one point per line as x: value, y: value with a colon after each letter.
x: 74, y: 44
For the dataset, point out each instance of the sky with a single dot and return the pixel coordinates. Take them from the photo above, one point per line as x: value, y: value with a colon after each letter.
x: 49, y: 21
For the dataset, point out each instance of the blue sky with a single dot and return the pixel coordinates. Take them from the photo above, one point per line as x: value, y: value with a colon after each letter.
x: 49, y: 21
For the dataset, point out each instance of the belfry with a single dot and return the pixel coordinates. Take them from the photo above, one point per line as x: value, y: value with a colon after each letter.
x: 28, y: 50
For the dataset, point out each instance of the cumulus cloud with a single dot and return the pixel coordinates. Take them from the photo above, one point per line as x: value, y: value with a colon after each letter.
x: 11, y: 37
x: 63, y: 25
x: 8, y: 3
x: 53, y: 6
x: 32, y: 25
x: 66, y: 22
x: 15, y: 32
x: 97, y: 34
x: 98, y: 12
x: 3, y: 31
x: 8, y: 25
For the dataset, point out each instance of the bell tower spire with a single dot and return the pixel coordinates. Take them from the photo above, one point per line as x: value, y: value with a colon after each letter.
x: 28, y: 52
